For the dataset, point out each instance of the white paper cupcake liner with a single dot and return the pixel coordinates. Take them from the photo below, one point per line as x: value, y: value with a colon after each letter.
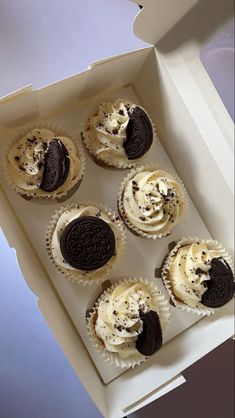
x: 108, y: 162
x: 133, y: 228
x: 114, y: 358
x: 95, y: 276
x: 40, y: 194
x: 202, y: 310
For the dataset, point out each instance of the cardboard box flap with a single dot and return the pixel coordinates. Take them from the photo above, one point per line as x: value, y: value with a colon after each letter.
x: 156, y: 394
x: 17, y: 105
x: 157, y: 17
x: 27, y: 105
x: 21, y: 91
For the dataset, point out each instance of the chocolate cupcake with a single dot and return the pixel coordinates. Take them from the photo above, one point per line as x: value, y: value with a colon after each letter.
x: 198, y: 275
x: 119, y: 134
x: 128, y: 322
x: 151, y: 201
x: 44, y: 162
x: 84, y: 241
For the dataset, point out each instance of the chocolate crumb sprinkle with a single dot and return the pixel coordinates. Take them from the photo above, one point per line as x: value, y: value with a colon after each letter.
x: 40, y: 164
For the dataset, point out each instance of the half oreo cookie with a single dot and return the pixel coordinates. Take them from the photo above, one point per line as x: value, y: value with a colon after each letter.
x: 56, y: 167
x: 139, y: 134
x: 87, y: 243
x: 150, y: 340
x: 220, y: 287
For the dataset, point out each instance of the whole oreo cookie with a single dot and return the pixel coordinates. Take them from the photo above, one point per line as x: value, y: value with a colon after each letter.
x: 56, y: 167
x: 220, y: 287
x: 139, y: 134
x: 87, y: 243
x: 150, y: 340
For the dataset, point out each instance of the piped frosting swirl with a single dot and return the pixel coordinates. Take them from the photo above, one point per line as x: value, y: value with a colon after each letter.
x: 153, y: 201
x: 118, y: 321
x: 117, y: 131
x: 189, y: 272
x: 26, y: 160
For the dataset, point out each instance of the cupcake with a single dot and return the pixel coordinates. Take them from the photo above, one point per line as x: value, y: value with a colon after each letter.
x: 128, y: 322
x: 151, y: 202
x: 84, y: 242
x: 44, y: 163
x: 198, y: 275
x: 118, y: 134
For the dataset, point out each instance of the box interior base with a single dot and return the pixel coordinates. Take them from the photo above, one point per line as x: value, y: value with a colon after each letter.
x: 141, y: 256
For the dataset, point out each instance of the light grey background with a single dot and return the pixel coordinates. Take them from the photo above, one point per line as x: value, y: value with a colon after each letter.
x: 41, y: 42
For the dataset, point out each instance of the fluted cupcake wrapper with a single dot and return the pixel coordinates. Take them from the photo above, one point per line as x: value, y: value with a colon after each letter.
x: 94, y: 276
x: 129, y: 224
x: 108, y: 162
x: 212, y: 244
x: 114, y: 358
x: 40, y: 194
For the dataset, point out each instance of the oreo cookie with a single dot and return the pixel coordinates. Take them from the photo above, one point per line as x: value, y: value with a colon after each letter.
x: 139, y: 134
x: 220, y: 287
x: 150, y: 340
x: 87, y: 243
x: 56, y: 167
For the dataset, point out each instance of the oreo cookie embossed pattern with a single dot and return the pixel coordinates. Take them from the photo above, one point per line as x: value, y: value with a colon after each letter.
x: 87, y: 243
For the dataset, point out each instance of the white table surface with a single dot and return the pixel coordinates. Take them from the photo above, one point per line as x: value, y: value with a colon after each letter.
x: 41, y: 42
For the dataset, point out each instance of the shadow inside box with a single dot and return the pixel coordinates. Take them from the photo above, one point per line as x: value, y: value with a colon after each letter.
x: 97, y: 187
x: 97, y: 291
x: 159, y: 360
x: 161, y: 114
x: 51, y: 202
x: 162, y: 359
x: 158, y: 269
x: 226, y: 311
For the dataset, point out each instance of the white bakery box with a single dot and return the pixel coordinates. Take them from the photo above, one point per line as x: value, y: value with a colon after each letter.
x: 195, y: 139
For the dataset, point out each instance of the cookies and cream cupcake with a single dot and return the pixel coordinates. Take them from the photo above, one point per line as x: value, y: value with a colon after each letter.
x: 44, y: 163
x: 118, y: 134
x: 151, y: 201
x: 198, y: 275
x: 84, y: 241
x: 128, y: 322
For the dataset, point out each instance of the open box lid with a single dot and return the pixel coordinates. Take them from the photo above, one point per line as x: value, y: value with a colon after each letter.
x: 157, y: 17
x: 172, y: 26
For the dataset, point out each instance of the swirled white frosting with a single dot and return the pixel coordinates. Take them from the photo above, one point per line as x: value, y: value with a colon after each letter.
x: 26, y: 160
x: 68, y: 216
x: 118, y: 321
x: 153, y: 201
x: 105, y: 132
x: 188, y: 271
